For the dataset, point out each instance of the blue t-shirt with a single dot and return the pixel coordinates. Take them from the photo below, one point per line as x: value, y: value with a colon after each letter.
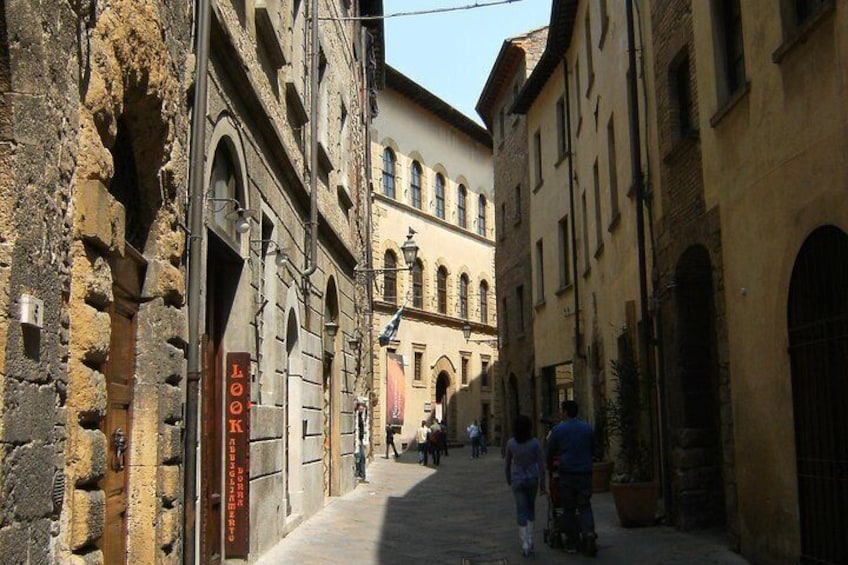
x: 574, y: 441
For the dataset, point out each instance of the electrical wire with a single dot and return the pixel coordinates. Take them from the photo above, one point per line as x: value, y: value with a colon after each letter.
x: 423, y: 12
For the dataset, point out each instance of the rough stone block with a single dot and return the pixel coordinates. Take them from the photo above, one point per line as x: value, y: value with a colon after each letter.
x: 90, y: 333
x: 166, y: 281
x: 87, y: 457
x: 28, y: 470
x: 86, y: 392
x: 170, y: 404
x: 89, y: 512
x: 143, y: 513
x: 92, y: 276
x: 30, y: 412
x: 169, y: 527
x: 13, y: 544
x: 170, y: 484
x: 94, y: 557
x: 100, y: 219
x: 170, y: 446
x: 693, y: 458
x: 39, y: 542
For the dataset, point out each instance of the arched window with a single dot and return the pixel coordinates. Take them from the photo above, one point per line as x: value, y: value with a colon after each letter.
x: 460, y: 207
x: 440, y: 196
x: 484, y: 303
x: 390, y: 278
x: 224, y: 186
x: 481, y: 215
x: 463, y: 297
x: 442, y: 289
x: 389, y: 172
x: 415, y: 184
x: 418, y: 284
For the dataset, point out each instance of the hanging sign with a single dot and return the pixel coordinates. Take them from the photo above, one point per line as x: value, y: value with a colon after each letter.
x: 237, y: 450
x: 396, y: 385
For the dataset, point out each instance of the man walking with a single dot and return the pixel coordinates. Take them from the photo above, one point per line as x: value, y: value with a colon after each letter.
x: 421, y: 437
x: 390, y: 440
x: 572, y: 440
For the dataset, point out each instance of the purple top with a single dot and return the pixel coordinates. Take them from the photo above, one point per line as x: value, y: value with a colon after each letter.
x: 524, y: 461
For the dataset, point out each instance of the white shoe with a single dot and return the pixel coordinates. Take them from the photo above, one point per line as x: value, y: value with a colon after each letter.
x: 530, y: 545
x: 522, y: 534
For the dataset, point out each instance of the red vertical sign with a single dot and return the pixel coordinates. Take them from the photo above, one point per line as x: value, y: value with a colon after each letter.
x: 396, y: 385
x: 237, y: 450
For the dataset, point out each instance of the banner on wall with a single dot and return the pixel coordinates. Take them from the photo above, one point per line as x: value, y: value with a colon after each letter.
x: 396, y: 389
x: 237, y: 456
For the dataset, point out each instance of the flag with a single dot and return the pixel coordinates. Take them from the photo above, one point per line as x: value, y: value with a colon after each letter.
x: 391, y: 329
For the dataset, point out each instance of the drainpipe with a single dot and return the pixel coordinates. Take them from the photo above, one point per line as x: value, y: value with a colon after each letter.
x: 646, y: 333
x: 193, y: 368
x: 311, y: 264
x: 576, y: 283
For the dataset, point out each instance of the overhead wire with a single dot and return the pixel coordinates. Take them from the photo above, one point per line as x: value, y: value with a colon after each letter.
x: 424, y: 12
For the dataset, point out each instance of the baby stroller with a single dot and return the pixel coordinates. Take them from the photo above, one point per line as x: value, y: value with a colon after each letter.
x: 553, y: 534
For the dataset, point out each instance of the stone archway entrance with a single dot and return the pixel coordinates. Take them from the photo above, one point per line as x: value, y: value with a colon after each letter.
x: 695, y: 417
x: 442, y: 398
x: 818, y: 348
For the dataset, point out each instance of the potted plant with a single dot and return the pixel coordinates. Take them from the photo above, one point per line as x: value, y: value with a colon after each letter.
x: 634, y: 491
x: 601, y: 465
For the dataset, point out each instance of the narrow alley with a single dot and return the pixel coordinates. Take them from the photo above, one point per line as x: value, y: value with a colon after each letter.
x: 462, y: 513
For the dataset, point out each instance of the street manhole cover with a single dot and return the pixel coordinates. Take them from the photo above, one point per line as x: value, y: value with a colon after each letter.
x: 484, y: 561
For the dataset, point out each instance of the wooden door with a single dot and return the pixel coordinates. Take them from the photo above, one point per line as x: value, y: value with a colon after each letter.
x: 119, y: 370
x: 211, y: 478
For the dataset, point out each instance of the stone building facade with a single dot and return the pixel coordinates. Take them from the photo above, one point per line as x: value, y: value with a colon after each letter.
x: 772, y: 140
x: 94, y: 164
x: 517, y: 378
x: 432, y: 172
x: 94, y: 170
x: 283, y: 293
x: 583, y: 213
x: 690, y: 313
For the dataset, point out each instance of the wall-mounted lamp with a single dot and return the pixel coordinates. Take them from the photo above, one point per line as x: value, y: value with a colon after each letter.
x: 332, y: 328
x: 242, y: 215
x: 466, y: 333
x: 353, y: 343
x: 410, y: 254
x: 273, y: 248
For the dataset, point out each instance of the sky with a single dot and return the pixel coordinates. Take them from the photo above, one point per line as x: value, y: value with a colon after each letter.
x: 451, y: 53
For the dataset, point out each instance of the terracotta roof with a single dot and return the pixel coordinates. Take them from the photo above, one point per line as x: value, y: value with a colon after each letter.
x: 513, y: 50
x: 560, y: 30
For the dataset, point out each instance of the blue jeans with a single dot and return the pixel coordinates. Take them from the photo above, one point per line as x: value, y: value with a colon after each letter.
x: 524, y: 492
x: 422, y: 453
x: 359, y: 458
x: 575, y: 492
x: 475, y: 447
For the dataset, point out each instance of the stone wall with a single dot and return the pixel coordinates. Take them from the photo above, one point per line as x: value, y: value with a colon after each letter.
x: 703, y: 467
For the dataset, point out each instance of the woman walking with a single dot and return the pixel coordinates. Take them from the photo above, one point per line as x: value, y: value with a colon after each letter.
x: 525, y: 473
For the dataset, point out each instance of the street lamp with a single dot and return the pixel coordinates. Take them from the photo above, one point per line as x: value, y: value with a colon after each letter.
x: 332, y: 328
x: 242, y: 221
x: 280, y: 255
x: 410, y: 254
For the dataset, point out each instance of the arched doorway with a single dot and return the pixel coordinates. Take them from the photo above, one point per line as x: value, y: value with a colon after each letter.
x: 818, y: 348
x: 292, y: 347
x: 697, y: 478
x: 442, y: 398
x: 223, y: 272
x: 331, y: 395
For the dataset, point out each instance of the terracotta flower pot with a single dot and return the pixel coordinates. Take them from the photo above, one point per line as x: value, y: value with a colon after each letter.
x: 636, y: 503
x: 601, y: 473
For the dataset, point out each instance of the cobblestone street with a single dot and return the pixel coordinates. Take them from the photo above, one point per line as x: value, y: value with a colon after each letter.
x: 409, y: 514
